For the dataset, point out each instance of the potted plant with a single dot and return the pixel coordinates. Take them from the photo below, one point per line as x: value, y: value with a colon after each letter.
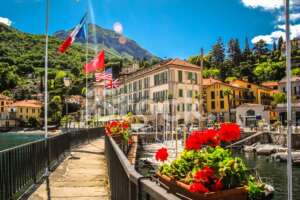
x: 206, y: 171
x: 119, y: 130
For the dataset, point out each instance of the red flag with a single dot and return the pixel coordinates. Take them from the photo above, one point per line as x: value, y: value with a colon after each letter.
x: 65, y: 45
x: 95, y: 64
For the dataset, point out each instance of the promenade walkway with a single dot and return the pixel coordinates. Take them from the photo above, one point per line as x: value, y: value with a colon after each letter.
x: 82, y: 176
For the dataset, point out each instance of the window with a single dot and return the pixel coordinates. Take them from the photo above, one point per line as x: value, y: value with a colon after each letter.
x: 140, y: 84
x: 26, y: 110
x: 134, y: 86
x: 213, y: 105
x: 21, y: 110
x: 190, y: 93
x: 2, y: 103
x: 178, y: 108
x: 283, y: 89
x: 248, y: 86
x: 221, y: 94
x: 33, y: 110
x: 146, y: 82
x: 180, y: 93
x: 2, y: 109
x: 222, y: 104
x: 189, y: 107
x: 180, y: 76
x: 161, y: 78
x: 212, y: 94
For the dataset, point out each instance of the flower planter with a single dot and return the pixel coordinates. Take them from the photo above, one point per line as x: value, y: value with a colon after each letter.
x: 181, y: 188
x: 118, y: 138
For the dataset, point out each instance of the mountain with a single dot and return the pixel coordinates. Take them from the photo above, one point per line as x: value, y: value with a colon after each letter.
x: 118, y: 45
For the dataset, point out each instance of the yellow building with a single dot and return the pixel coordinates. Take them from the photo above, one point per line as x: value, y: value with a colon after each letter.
x: 217, y: 102
x: 5, y: 117
x: 261, y: 94
x: 27, y: 109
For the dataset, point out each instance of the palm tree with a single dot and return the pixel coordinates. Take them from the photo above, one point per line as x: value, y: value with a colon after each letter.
x: 228, y: 92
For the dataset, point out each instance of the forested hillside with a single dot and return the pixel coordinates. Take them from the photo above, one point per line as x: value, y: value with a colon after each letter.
x: 259, y: 63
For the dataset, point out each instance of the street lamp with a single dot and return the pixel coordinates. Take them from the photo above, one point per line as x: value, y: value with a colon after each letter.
x: 67, y: 83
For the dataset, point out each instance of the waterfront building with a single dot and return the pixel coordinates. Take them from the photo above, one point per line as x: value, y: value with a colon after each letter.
x: 281, y: 108
x: 26, y: 109
x: 249, y: 114
x: 217, y: 103
x: 6, y: 117
x: 259, y: 94
x: 163, y: 93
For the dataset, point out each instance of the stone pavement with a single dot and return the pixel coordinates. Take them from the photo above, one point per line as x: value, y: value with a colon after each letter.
x: 82, y: 176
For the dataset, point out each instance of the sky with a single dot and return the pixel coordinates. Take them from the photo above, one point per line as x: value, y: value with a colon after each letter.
x: 166, y: 28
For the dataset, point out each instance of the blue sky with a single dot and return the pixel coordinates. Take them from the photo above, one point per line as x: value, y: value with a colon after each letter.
x: 167, y: 28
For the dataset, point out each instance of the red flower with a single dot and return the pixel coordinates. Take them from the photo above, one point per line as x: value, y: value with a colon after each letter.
x: 198, y: 187
x: 204, y: 175
x: 229, y: 132
x: 218, y: 185
x: 162, y: 154
x: 130, y: 141
x: 125, y: 125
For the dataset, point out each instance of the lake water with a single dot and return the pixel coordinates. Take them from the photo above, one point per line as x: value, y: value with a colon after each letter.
x: 10, y: 139
x: 271, y: 172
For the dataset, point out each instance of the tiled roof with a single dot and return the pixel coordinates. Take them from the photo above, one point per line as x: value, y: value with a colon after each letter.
x: 180, y: 62
x: 270, y: 83
x: 210, y: 81
x: 293, y: 79
x: 27, y: 103
x: 4, y: 97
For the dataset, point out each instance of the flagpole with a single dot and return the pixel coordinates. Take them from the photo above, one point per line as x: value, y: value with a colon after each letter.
x: 46, y: 71
x: 86, y: 74
x: 289, y: 102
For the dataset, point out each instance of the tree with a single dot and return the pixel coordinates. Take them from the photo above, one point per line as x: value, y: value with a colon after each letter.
x: 280, y: 42
x: 212, y: 72
x: 270, y: 70
x: 55, y: 109
x: 274, y: 46
x: 247, y: 51
x: 234, y: 52
x: 228, y: 92
x: 217, y: 53
x: 260, y: 48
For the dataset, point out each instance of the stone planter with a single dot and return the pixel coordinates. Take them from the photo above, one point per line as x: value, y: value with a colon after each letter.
x: 181, y: 188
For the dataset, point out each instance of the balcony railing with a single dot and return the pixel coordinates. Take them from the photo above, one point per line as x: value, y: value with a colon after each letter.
x: 23, y: 166
x: 125, y: 182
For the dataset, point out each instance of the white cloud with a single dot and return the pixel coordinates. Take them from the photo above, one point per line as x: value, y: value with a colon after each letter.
x: 293, y: 17
x: 6, y: 21
x: 265, y: 4
x: 118, y: 27
x: 294, y: 29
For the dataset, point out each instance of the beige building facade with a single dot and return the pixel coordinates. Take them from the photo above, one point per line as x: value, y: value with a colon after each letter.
x: 165, y: 92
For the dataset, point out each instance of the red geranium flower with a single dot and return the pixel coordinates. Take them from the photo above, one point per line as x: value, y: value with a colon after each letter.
x: 162, y: 154
x: 125, y: 125
x: 198, y: 187
x: 229, y: 132
x: 218, y: 185
x: 130, y: 141
x: 204, y: 175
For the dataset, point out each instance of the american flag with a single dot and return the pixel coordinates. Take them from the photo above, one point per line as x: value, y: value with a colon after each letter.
x: 106, y: 75
x: 111, y: 84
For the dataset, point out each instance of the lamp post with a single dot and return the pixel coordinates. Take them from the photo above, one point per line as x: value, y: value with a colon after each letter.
x: 67, y: 83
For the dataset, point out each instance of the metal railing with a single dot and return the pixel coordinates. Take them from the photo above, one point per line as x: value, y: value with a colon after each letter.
x: 23, y: 166
x: 125, y: 182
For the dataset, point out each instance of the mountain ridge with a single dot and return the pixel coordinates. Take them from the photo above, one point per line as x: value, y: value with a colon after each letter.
x: 106, y: 38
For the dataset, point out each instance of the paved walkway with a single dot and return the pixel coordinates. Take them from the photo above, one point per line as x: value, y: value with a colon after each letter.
x: 80, y: 177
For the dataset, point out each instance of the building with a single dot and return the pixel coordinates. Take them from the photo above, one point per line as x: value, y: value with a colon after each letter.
x: 167, y: 89
x: 217, y: 103
x: 26, y: 109
x: 281, y: 108
x: 6, y: 117
x: 248, y: 114
x: 271, y: 84
x: 259, y: 93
